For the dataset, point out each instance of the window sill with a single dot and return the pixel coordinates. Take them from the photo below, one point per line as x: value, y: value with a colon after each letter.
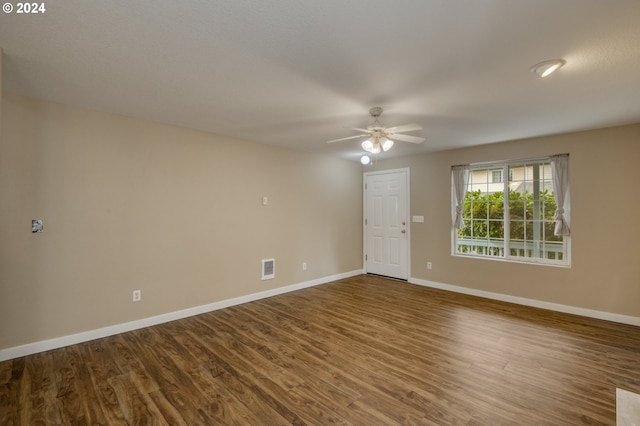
x: 515, y: 260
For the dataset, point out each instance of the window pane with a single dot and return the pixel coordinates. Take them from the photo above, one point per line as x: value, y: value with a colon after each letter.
x: 479, y: 208
x: 553, y: 247
x: 516, y: 240
x: 495, y: 207
x: 516, y: 206
x: 516, y: 174
x: 479, y: 229
x: 532, y: 208
x: 496, y: 230
x: 484, y: 204
x: 496, y: 181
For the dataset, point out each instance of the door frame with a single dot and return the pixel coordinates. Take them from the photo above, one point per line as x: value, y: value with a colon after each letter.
x: 407, y: 172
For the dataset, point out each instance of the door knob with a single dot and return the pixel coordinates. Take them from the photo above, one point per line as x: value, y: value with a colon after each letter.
x: 404, y: 231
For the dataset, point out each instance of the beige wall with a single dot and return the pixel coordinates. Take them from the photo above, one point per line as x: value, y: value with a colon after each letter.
x: 129, y: 204
x: 0, y: 87
x: 605, y: 177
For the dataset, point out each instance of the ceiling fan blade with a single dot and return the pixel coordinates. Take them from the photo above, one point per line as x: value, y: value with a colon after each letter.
x: 359, y: 129
x: 344, y: 139
x: 406, y: 128
x: 406, y: 138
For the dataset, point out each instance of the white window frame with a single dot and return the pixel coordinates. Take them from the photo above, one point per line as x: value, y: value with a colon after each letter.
x: 507, y: 257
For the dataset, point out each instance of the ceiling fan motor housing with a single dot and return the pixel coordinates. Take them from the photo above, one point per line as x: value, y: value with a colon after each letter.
x: 375, y: 112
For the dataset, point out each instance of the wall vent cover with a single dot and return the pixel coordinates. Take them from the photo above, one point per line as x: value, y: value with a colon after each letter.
x: 268, y: 269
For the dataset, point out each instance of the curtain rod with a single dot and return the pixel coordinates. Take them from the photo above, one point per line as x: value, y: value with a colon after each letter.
x: 489, y: 163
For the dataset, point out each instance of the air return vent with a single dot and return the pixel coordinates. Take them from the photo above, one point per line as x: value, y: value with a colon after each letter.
x: 268, y: 269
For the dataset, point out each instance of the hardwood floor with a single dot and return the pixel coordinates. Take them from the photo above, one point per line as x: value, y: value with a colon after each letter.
x: 363, y: 351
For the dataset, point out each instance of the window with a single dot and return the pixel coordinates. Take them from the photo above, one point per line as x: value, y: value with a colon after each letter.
x: 516, y: 219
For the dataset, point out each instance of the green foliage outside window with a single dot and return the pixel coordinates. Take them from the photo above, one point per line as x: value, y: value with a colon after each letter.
x: 483, y: 216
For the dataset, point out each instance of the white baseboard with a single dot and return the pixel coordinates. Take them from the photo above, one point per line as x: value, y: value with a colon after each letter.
x: 45, y: 345
x: 608, y: 316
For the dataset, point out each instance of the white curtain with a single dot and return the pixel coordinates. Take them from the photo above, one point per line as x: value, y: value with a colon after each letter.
x: 560, y: 174
x: 460, y: 180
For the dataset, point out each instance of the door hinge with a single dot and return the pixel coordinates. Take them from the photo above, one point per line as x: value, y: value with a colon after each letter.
x: 365, y: 257
x: 365, y: 221
x: 365, y: 186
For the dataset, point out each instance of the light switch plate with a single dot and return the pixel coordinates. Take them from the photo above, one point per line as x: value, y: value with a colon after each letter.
x: 417, y: 219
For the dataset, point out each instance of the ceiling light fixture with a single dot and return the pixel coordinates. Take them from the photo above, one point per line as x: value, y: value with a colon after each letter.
x: 545, y: 68
x: 365, y: 159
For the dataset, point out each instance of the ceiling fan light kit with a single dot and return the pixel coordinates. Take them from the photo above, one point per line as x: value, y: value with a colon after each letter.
x: 377, y: 144
x: 379, y: 137
x: 367, y: 145
x: 373, y: 148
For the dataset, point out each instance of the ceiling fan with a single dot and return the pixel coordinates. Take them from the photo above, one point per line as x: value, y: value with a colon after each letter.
x: 380, y: 138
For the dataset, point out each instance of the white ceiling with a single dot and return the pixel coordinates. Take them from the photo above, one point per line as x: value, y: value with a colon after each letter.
x: 293, y: 73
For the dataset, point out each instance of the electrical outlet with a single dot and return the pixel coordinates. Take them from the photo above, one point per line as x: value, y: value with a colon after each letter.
x: 137, y: 295
x: 429, y: 265
x: 304, y: 266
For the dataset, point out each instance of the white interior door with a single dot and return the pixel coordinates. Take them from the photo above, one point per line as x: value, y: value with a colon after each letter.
x: 386, y: 224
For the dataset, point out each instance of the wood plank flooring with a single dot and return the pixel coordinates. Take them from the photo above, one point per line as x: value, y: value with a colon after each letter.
x: 360, y: 351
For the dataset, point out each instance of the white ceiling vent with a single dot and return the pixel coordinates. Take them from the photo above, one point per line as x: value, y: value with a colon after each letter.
x: 268, y: 269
